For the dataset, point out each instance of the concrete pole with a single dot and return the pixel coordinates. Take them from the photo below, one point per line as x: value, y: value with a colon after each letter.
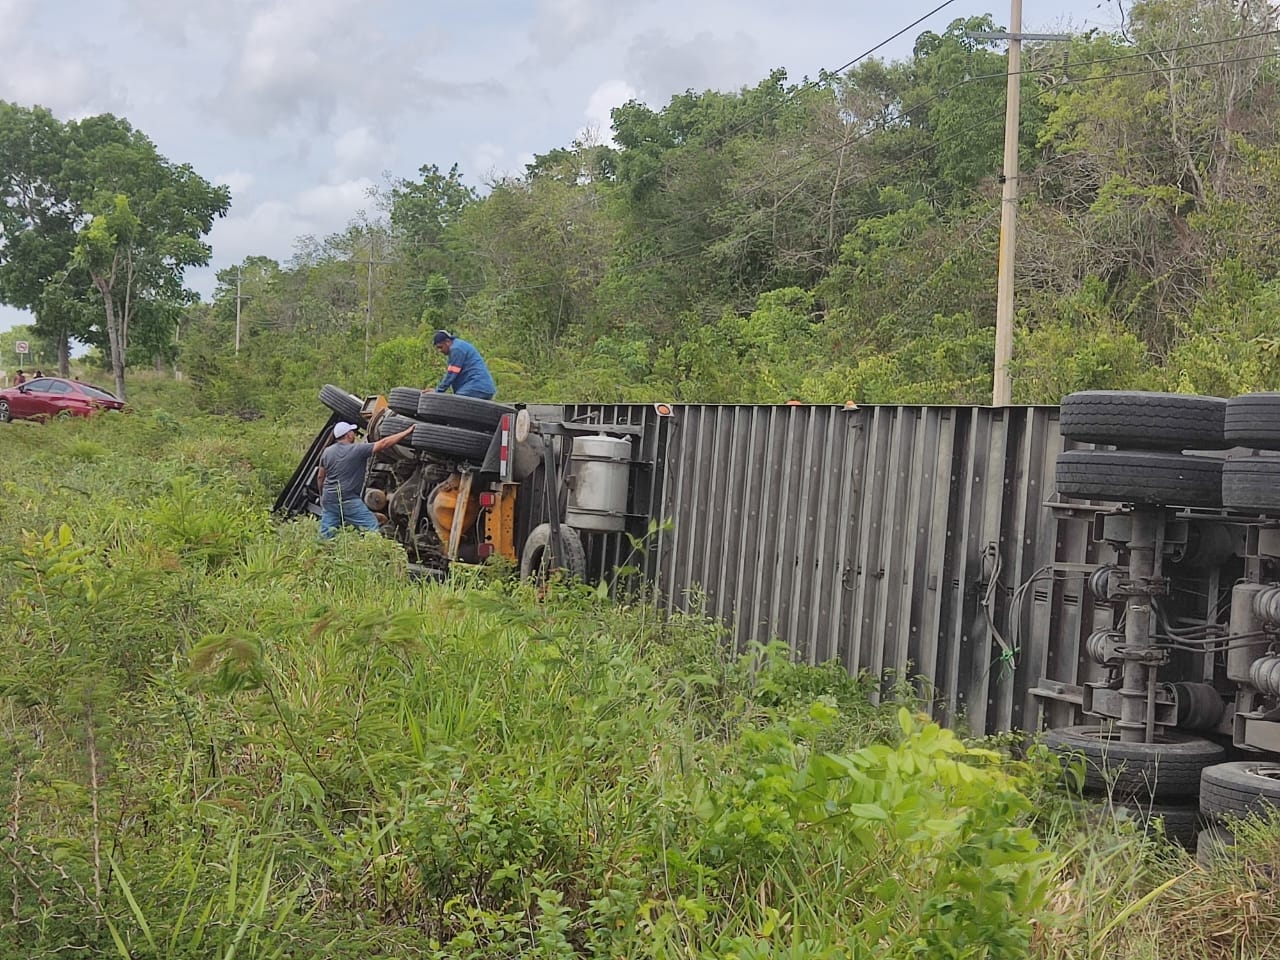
x: 1002, y: 389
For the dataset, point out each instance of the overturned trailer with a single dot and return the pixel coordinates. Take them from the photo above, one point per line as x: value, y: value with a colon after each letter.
x: 1038, y: 567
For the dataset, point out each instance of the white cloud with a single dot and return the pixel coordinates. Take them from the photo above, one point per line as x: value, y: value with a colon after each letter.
x: 39, y: 72
x: 562, y: 26
x: 705, y: 61
x: 15, y: 15
x: 64, y: 86
x: 238, y: 181
x: 335, y: 203
x: 357, y: 152
x: 271, y: 227
x: 164, y: 18
x: 610, y: 94
x: 307, y: 63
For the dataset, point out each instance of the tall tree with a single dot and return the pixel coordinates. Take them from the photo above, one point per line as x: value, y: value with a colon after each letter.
x: 147, y: 221
x: 38, y: 222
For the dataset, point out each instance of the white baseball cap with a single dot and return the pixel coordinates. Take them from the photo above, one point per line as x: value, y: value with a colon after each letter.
x: 340, y: 430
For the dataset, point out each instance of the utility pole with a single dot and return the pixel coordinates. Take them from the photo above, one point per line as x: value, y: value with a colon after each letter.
x: 239, y: 281
x: 371, y: 262
x: 1002, y: 387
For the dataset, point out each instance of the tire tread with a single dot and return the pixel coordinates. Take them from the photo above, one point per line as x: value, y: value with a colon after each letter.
x: 1126, y: 770
x: 1161, y: 421
x: 1127, y: 476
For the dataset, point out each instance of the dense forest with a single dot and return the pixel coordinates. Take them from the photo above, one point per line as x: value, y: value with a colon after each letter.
x: 826, y: 240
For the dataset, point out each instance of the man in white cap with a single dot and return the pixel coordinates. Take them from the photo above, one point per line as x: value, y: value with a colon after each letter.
x: 341, y: 479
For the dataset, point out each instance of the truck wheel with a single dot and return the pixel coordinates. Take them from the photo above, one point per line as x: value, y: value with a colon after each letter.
x: 1251, y: 483
x: 1239, y: 789
x: 1253, y: 420
x: 1170, y: 767
x: 404, y: 400
x: 1215, y: 845
x: 450, y: 441
x: 1158, y: 421
x: 1126, y: 476
x: 393, y: 423
x: 470, y: 413
x: 1178, y: 824
x: 539, y: 558
x: 346, y: 405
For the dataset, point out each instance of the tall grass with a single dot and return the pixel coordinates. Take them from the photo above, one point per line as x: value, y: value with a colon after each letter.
x: 222, y: 738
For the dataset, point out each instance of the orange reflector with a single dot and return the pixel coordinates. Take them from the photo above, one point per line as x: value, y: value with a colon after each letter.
x: 663, y: 409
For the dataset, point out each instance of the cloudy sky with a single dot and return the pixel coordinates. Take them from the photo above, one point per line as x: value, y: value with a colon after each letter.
x: 301, y: 106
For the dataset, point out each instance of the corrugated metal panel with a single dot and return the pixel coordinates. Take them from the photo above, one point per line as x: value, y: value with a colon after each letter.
x: 872, y: 535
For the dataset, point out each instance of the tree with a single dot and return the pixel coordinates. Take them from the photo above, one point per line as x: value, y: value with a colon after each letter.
x: 146, y: 221
x: 38, y: 227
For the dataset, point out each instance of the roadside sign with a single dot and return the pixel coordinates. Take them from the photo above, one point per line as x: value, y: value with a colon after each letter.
x: 21, y: 347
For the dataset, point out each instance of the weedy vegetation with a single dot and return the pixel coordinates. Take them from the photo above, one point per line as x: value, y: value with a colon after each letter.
x: 221, y: 738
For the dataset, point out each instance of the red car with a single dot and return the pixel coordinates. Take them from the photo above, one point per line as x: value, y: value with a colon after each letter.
x: 46, y: 397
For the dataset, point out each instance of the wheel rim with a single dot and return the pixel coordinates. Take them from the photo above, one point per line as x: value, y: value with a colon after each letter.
x: 4, y: 411
x: 1268, y: 771
x: 1111, y: 735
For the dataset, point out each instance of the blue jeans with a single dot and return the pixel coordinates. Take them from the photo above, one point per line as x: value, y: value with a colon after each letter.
x: 352, y: 513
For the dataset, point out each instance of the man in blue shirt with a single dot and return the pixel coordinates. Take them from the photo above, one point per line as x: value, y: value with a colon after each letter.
x: 465, y: 370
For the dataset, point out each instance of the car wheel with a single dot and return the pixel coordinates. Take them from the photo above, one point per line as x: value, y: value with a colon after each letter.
x: 1240, y: 789
x: 346, y: 405
x: 1128, y: 476
x: 1251, y: 483
x: 5, y: 414
x: 1158, y: 421
x: 1253, y: 420
x: 540, y: 558
x: 404, y: 400
x: 469, y: 412
x: 450, y: 441
x: 1170, y: 767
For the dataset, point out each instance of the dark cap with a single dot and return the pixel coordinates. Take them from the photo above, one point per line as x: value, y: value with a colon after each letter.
x: 440, y: 337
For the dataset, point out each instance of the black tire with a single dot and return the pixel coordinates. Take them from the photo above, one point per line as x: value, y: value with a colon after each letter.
x: 1253, y: 420
x: 392, y: 423
x: 1168, y: 768
x: 1240, y: 789
x: 1251, y: 483
x: 1178, y: 824
x: 5, y: 413
x: 346, y: 405
x: 539, y: 558
x: 1157, y: 421
x: 470, y: 413
x: 404, y: 400
x: 1126, y: 476
x: 450, y: 441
